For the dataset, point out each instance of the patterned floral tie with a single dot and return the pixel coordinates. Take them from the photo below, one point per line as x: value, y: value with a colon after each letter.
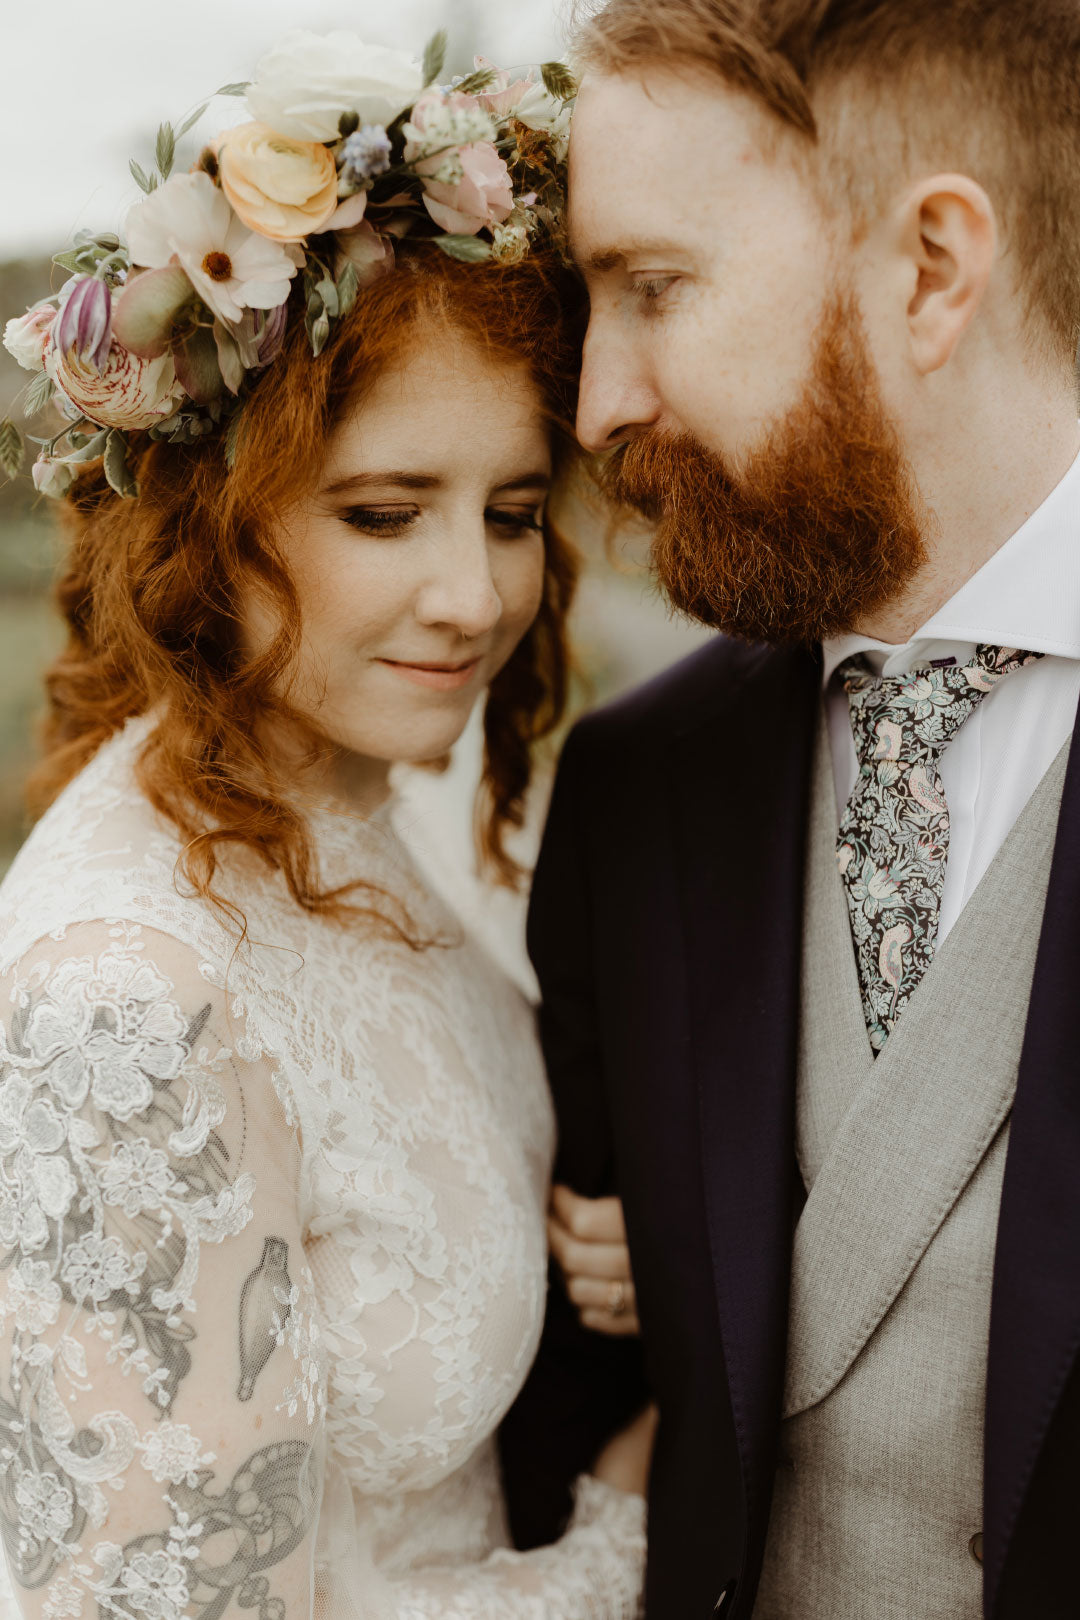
x: 894, y: 835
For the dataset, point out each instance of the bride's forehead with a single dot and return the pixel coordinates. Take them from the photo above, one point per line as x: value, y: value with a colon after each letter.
x: 438, y: 404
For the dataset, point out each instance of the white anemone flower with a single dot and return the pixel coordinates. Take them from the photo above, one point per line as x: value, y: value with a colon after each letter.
x: 187, y: 221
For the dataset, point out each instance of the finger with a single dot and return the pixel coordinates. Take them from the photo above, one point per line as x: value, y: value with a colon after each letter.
x: 610, y: 1260
x: 616, y: 1327
x: 591, y: 1220
x: 592, y: 1294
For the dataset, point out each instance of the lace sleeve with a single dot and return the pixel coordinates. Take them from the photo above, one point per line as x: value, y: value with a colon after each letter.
x: 595, y: 1571
x: 161, y: 1393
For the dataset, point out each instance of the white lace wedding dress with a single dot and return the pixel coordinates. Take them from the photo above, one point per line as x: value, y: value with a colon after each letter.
x: 273, y: 1237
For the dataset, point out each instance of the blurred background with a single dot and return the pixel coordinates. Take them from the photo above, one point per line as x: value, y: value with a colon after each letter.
x: 84, y: 91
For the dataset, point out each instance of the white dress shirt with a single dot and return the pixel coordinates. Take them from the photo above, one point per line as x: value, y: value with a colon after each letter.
x: 1026, y: 596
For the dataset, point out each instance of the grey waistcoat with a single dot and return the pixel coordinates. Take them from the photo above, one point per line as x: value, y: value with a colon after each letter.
x: 879, y: 1490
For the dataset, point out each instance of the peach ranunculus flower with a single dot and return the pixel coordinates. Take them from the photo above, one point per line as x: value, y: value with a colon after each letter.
x: 483, y: 196
x: 281, y: 188
x: 127, y: 393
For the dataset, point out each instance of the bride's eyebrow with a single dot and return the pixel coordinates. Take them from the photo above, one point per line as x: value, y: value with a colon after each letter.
x: 384, y: 480
x: 414, y: 480
x: 536, y: 480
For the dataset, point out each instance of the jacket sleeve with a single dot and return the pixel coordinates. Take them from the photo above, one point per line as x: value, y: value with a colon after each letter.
x: 583, y: 1385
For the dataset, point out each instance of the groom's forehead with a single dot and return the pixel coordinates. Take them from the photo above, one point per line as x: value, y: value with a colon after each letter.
x: 659, y: 165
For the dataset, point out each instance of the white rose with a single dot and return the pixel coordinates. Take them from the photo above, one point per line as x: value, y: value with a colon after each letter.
x: 302, y: 87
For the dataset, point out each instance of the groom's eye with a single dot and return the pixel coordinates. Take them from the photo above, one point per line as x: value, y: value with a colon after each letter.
x: 651, y: 289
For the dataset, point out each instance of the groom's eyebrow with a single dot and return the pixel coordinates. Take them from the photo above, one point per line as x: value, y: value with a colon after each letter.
x: 604, y: 259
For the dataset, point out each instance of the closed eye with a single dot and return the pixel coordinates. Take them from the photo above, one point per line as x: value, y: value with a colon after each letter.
x: 389, y: 521
x: 513, y: 524
x: 510, y: 523
x: 651, y: 289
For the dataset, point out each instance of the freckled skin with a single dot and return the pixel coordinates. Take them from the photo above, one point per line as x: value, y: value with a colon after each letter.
x: 457, y: 585
x: 726, y: 346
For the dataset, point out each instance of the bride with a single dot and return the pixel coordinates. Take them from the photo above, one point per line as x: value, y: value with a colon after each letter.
x: 274, y: 1132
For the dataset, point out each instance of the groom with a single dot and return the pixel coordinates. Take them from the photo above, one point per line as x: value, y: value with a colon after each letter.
x: 807, y: 917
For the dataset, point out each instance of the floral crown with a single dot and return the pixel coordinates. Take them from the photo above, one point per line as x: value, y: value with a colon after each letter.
x: 351, y: 149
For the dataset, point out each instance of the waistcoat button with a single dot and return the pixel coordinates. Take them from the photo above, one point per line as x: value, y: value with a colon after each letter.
x: 975, y: 1546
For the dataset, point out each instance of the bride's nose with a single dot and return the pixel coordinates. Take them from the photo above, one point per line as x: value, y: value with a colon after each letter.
x: 460, y: 588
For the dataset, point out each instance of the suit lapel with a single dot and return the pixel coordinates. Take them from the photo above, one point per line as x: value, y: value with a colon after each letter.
x: 923, y: 1115
x: 740, y: 844
x: 1035, y: 1317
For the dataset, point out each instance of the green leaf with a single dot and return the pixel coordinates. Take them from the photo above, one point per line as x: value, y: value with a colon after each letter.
x: 145, y: 182
x: 68, y: 260
x: 469, y: 249
x: 11, y: 449
x: 192, y: 120
x: 348, y: 123
x: 320, y: 331
x: 474, y: 83
x: 38, y: 394
x: 559, y: 81
x: 434, y: 57
x: 165, y: 150
x: 117, y: 470
x: 327, y: 291
x: 88, y: 449
x: 347, y: 286
x: 238, y: 89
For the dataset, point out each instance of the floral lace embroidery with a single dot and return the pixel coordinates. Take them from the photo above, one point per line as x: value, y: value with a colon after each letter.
x: 300, y: 1186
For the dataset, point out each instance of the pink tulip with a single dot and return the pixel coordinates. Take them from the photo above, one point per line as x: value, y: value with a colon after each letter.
x: 83, y: 328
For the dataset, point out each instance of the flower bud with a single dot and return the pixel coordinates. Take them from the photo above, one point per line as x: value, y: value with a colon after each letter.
x: 52, y: 476
x: 83, y: 328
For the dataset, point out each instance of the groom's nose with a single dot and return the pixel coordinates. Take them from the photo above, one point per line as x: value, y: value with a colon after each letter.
x: 617, y: 399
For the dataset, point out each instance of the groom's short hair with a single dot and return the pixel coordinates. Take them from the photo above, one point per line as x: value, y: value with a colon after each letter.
x: 883, y: 89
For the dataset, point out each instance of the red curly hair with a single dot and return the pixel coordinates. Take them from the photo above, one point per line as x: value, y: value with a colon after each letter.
x: 152, y: 587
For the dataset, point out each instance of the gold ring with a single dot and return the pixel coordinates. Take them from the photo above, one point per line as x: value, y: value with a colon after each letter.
x: 616, y: 1300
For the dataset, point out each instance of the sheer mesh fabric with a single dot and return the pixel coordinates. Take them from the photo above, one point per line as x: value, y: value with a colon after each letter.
x: 273, y: 1228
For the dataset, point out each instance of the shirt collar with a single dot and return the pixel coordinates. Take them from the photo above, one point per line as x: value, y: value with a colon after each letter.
x: 1027, y: 595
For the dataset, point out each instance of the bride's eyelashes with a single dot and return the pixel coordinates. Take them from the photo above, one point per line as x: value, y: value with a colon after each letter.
x: 511, y: 523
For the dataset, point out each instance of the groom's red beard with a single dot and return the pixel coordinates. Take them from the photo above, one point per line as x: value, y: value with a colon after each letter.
x: 818, y: 529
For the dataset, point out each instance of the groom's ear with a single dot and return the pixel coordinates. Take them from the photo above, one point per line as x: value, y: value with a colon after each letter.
x: 947, y: 234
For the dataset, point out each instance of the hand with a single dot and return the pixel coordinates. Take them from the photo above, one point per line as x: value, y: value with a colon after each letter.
x: 626, y: 1460
x: 588, y: 1239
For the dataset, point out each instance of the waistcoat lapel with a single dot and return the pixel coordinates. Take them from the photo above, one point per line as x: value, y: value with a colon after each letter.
x: 740, y: 780
x: 923, y: 1115
x: 1035, y: 1318
x: 829, y: 984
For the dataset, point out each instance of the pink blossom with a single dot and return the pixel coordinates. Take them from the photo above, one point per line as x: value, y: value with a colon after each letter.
x: 27, y: 336
x: 369, y: 252
x: 482, y: 197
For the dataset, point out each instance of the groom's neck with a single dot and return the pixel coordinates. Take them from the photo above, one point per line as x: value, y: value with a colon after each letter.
x: 982, y: 468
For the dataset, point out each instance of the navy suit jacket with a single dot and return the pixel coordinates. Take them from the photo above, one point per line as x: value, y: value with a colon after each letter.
x: 666, y: 931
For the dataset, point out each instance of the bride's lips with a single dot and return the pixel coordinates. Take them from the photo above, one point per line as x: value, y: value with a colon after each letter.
x: 439, y: 677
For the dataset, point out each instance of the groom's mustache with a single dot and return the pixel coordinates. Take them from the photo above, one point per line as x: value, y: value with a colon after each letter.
x: 818, y: 527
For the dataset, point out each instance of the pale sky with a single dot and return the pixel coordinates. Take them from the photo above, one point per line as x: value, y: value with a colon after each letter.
x: 85, y: 86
